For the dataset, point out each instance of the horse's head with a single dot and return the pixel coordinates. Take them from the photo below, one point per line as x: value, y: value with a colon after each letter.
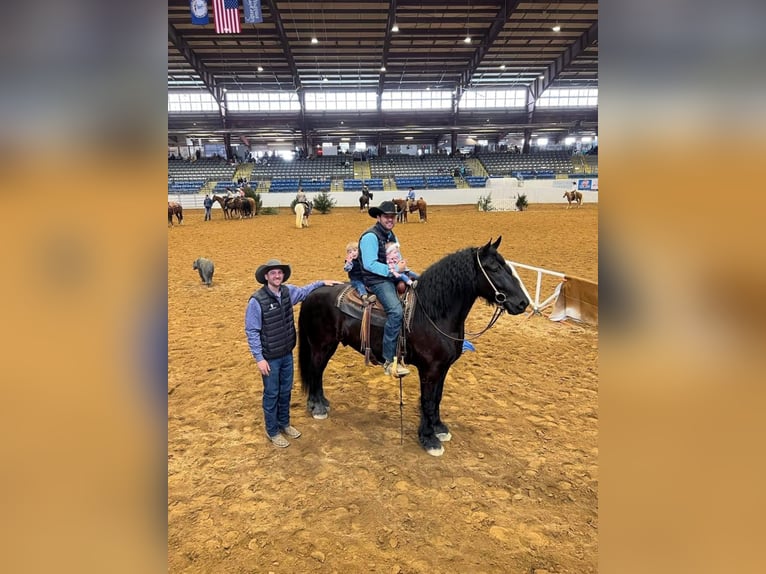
x: 497, y: 282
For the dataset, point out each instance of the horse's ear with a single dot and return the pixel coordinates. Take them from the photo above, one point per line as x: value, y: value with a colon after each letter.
x: 496, y: 244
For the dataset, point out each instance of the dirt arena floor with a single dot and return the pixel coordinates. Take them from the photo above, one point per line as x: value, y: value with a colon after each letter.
x: 515, y: 491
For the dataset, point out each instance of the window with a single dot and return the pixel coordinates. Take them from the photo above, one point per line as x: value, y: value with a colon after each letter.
x: 561, y: 98
x: 341, y: 101
x: 395, y: 100
x: 488, y: 99
x: 191, y: 102
x: 262, y: 101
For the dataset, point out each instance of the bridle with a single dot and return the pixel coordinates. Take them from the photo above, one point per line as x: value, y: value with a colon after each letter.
x: 499, y: 309
x: 499, y: 296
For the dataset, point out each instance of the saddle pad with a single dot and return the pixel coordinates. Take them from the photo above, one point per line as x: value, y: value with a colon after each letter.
x: 348, y: 302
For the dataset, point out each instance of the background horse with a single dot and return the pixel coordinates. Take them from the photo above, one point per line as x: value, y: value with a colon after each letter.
x: 243, y: 206
x: 222, y: 202
x: 575, y: 196
x: 175, y: 209
x: 421, y: 207
x: 445, y: 294
x: 301, y: 215
x: 364, y: 200
x: 401, y: 209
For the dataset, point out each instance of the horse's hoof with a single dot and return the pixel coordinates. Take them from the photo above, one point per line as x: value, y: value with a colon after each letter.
x: 444, y: 436
x: 319, y: 416
x: 435, y: 451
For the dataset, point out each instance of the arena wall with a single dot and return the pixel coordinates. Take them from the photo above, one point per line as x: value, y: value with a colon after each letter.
x: 537, y: 191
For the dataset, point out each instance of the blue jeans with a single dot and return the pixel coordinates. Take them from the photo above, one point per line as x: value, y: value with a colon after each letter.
x: 386, y: 294
x: 277, y: 388
x: 208, y: 215
x: 359, y: 286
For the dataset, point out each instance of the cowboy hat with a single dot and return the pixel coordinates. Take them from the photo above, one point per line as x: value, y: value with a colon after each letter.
x: 387, y: 207
x: 260, y: 273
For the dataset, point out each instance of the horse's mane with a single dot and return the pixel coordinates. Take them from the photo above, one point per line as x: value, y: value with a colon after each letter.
x: 447, y: 283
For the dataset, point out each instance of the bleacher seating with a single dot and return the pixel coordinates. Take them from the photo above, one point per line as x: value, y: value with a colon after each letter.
x: 307, y: 169
x: 476, y: 181
x: 398, y: 167
x: 440, y: 181
x: 188, y: 186
x: 403, y: 182
x: 220, y: 187
x: 282, y: 185
x: 539, y: 164
x: 205, y: 169
x: 375, y: 184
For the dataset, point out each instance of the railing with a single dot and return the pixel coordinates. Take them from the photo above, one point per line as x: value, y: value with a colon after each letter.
x: 535, y: 302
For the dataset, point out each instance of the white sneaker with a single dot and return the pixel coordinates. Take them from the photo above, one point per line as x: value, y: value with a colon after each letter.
x: 400, y: 370
x: 279, y: 440
x: 291, y: 431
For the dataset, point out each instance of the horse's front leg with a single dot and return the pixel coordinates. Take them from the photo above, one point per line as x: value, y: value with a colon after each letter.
x: 431, y: 427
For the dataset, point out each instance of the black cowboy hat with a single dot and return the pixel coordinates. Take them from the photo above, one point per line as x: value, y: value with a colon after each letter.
x: 387, y: 208
x: 260, y: 273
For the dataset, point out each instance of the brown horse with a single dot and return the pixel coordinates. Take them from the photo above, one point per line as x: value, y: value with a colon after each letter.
x: 403, y: 207
x: 175, y: 209
x: 225, y: 203
x: 243, y: 206
x: 571, y: 196
x: 422, y: 208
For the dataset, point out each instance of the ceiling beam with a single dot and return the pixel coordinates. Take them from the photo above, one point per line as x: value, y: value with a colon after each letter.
x: 195, y: 62
x: 285, y: 44
x: 539, y: 85
x: 494, y: 31
x: 386, y: 45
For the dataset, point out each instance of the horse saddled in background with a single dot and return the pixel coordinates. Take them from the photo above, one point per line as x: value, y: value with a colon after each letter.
x: 222, y: 201
x: 573, y: 196
x: 364, y: 200
x: 175, y: 209
x: 302, y: 212
x: 421, y: 207
x: 243, y: 206
x: 445, y: 293
x: 401, y: 209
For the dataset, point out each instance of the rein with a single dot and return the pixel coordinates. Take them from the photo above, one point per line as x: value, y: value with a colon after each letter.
x: 499, y: 310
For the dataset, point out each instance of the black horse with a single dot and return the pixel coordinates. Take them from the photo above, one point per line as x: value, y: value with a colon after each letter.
x: 445, y: 294
x: 364, y: 200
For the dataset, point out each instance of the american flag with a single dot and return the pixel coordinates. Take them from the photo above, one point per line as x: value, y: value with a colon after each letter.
x: 226, y: 16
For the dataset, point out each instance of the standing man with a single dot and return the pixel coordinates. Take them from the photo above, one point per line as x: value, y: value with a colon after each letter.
x: 378, y: 278
x: 208, y: 204
x: 270, y: 330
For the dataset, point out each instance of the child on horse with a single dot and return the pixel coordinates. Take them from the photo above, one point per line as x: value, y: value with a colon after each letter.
x: 393, y: 257
x: 353, y: 267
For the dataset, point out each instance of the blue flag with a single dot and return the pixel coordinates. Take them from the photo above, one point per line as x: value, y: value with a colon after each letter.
x: 199, y: 13
x: 253, y: 14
